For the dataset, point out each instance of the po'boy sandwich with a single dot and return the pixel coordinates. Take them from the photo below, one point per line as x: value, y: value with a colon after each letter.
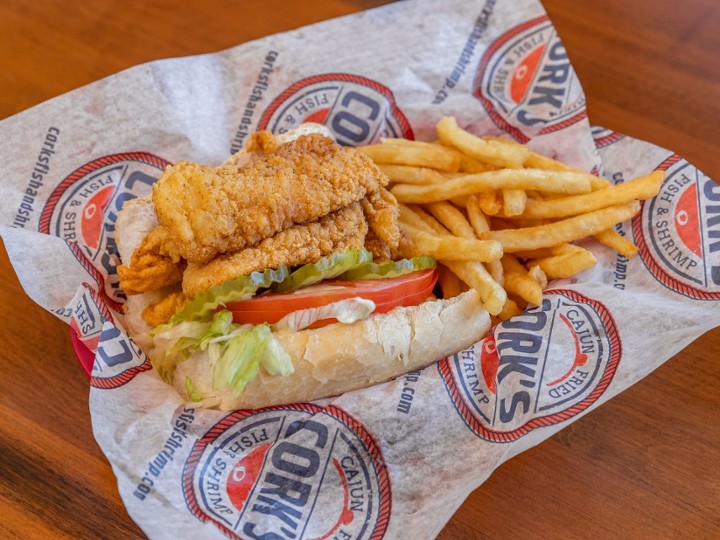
x: 278, y: 277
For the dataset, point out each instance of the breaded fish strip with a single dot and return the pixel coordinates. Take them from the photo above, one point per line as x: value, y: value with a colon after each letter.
x: 382, y: 213
x: 162, y: 311
x: 208, y: 211
x: 300, y: 244
x: 148, y: 269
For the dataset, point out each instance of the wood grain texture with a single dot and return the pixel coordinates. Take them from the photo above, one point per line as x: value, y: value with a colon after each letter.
x: 643, y: 465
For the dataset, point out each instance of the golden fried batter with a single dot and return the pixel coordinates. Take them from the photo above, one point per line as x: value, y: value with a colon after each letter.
x: 161, y: 312
x: 382, y: 213
x: 208, y: 211
x: 262, y: 141
x: 148, y: 270
x: 300, y: 244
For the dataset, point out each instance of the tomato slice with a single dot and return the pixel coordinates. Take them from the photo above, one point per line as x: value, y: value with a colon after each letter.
x: 407, y: 290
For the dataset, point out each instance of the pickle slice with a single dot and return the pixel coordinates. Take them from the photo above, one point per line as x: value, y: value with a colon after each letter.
x: 240, y: 288
x: 389, y: 269
x: 326, y: 268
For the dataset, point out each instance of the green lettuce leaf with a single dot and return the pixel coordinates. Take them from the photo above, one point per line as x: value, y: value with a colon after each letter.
x: 193, y: 394
x: 243, y: 356
x: 236, y: 352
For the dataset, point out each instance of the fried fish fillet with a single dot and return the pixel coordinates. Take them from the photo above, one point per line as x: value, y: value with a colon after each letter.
x: 382, y: 213
x: 146, y: 269
x: 207, y: 211
x: 300, y: 244
x: 149, y: 269
x: 160, y: 312
x: 286, y: 203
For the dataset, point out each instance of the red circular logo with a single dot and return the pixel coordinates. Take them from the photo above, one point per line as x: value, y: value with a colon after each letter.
x: 526, y: 83
x: 300, y: 471
x: 536, y: 369
x: 678, y: 232
x: 83, y: 208
x: 356, y: 109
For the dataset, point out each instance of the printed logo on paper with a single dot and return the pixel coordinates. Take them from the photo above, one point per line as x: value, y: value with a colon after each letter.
x: 536, y: 369
x: 526, y: 82
x: 83, y: 208
x: 117, y: 359
x: 87, y: 314
x: 678, y: 232
x: 294, y: 471
x: 605, y: 137
x: 356, y: 109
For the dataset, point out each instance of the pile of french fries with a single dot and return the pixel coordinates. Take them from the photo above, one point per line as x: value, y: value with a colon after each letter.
x: 501, y: 218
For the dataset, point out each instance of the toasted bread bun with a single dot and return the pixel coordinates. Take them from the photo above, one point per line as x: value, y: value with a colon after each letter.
x: 340, y: 357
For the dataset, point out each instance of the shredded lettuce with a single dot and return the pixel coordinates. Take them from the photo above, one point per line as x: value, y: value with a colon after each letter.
x: 275, y: 360
x: 239, y: 363
x: 236, y: 352
x: 345, y: 311
x: 174, y: 343
x: 193, y: 394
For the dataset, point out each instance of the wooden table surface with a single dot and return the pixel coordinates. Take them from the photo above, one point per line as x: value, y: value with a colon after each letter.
x: 644, y: 465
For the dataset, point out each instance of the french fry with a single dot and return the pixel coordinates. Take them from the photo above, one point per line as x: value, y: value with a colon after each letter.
x: 514, y: 201
x: 452, y: 218
x: 539, y: 253
x: 510, y: 309
x: 478, y: 220
x: 420, y: 219
x: 410, y: 174
x: 473, y: 273
x: 493, y: 296
x: 489, y: 202
x: 568, y: 183
x: 433, y: 156
x: 567, y: 265
x: 400, y: 141
x: 452, y: 248
x: 542, y: 253
x: 460, y: 202
x: 612, y: 239
x: 518, y: 282
x: 511, y: 264
x: 562, y: 249
x: 567, y: 230
x: 532, y: 194
x: 470, y: 165
x: 467, y: 163
x: 539, y: 275
x: 537, y: 161
x: 450, y: 284
x: 488, y: 151
x: 496, y: 271
x: 641, y: 188
x: 481, y: 205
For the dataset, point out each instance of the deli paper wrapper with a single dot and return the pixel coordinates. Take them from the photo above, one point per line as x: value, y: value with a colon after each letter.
x: 383, y: 461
